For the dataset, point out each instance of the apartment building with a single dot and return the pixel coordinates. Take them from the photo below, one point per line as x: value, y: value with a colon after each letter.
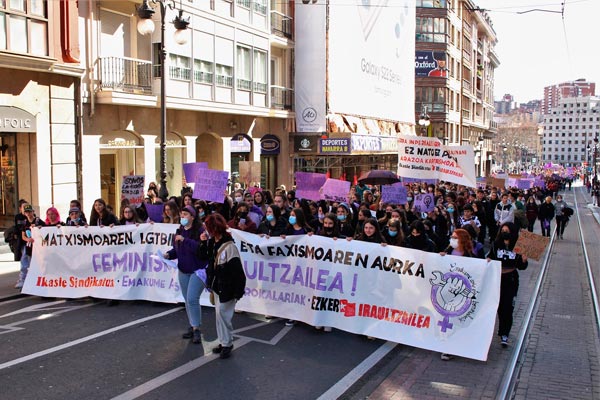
x: 455, y: 63
x: 569, y: 131
x: 229, y: 91
x: 577, y: 88
x: 40, y: 74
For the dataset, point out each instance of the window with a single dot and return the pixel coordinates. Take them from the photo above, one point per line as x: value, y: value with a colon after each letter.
x: 24, y: 26
x: 431, y: 3
x: 431, y: 30
x: 179, y: 67
x: 223, y: 75
x: 244, y: 3
x: 260, y: 7
x: 203, y: 71
x: 260, y: 71
x: 244, y: 68
x: 432, y: 98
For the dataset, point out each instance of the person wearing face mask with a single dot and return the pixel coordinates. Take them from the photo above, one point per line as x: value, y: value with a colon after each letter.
x: 317, y: 222
x: 503, y: 250
x: 345, y: 221
x: 452, y: 217
x: 241, y: 220
x: 272, y: 224
x: 192, y: 274
x: 418, y: 238
x: 393, y: 234
x: 504, y: 211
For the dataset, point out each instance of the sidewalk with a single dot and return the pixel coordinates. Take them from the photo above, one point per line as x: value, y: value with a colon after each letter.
x: 9, y: 273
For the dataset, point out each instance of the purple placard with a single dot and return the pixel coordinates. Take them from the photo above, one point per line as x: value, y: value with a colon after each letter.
x: 525, y: 183
x: 335, y: 190
x: 539, y: 182
x: 511, y: 182
x: 395, y: 193
x: 155, y: 212
x: 418, y: 180
x: 211, y: 185
x: 424, y: 202
x: 308, y: 185
x: 190, y: 170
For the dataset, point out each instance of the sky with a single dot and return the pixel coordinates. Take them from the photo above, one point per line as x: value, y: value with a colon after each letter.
x: 536, y: 49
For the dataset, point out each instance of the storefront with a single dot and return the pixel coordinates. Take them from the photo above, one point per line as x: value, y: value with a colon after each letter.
x: 270, y: 148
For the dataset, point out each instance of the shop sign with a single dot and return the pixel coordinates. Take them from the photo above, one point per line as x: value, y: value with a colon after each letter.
x: 14, y: 119
x: 270, y: 145
x: 121, y: 143
x: 374, y: 144
x: 334, y: 146
x: 241, y: 143
x: 306, y: 144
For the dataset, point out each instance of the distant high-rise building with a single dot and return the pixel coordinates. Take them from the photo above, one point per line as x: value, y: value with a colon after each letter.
x: 578, y: 88
x: 506, y: 105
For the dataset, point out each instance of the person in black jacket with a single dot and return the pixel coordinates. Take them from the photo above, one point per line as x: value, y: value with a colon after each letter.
x: 100, y: 216
x: 418, y: 238
x: 545, y: 215
x: 224, y: 277
x: 503, y: 250
x: 272, y: 224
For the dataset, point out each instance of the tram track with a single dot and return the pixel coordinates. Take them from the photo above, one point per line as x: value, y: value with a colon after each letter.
x: 512, y: 375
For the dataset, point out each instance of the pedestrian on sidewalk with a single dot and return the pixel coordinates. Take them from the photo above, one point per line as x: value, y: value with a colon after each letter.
x: 503, y: 250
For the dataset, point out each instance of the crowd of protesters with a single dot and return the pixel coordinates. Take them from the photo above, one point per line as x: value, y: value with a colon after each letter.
x: 463, y: 221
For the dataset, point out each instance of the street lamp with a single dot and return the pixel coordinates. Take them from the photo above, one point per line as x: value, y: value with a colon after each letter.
x: 145, y: 26
x: 595, y: 159
x: 424, y: 121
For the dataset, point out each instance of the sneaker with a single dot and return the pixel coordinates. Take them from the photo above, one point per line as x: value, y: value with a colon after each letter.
x: 217, y: 350
x: 225, y: 352
x: 19, y: 284
x: 196, y: 336
x: 446, y: 357
x: 188, y: 334
x: 290, y: 322
x: 504, y: 341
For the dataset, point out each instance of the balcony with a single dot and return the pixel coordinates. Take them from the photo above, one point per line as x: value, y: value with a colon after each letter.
x: 467, y: 86
x: 125, y: 74
x: 466, y: 114
x: 281, y: 25
x: 282, y: 98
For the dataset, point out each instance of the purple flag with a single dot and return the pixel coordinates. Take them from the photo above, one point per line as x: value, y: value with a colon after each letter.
x: 424, y: 202
x: 155, y: 212
x: 308, y: 185
x: 211, y: 185
x: 395, y: 193
x: 191, y: 170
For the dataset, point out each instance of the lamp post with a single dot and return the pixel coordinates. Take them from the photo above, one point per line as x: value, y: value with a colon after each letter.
x: 145, y: 26
x: 595, y: 159
x: 424, y: 121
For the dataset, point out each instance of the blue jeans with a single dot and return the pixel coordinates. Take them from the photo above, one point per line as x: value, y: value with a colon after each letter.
x: 191, y: 288
x: 25, y: 261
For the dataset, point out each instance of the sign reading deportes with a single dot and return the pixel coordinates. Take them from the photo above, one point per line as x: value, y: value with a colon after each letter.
x: 426, y: 158
x: 446, y: 304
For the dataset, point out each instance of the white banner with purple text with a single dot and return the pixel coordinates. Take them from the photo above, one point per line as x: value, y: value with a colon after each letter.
x: 441, y: 303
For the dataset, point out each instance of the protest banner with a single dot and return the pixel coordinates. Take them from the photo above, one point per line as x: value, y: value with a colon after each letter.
x: 441, y: 303
x: 406, y: 180
x: 531, y: 244
x: 308, y: 185
x: 395, y: 194
x: 116, y: 263
x: 496, y: 182
x: 192, y: 170
x: 426, y: 158
x: 250, y: 172
x: 335, y: 190
x: 211, y: 185
x: 525, y: 183
x: 155, y: 212
x: 424, y: 202
x: 132, y: 189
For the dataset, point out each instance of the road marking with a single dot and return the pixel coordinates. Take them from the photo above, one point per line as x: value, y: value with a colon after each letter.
x: 350, y: 379
x: 72, y: 343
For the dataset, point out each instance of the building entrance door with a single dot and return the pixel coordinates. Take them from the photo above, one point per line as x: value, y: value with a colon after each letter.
x: 8, y: 175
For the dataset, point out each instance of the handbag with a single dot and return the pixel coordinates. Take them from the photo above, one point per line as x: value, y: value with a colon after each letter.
x: 546, y: 224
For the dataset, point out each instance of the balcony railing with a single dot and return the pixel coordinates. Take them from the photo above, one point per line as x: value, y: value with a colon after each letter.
x: 466, y: 114
x: 467, y: 85
x: 282, y: 98
x: 126, y: 74
x: 281, y: 25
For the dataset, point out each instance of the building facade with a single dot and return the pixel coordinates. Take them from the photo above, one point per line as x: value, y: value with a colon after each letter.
x: 229, y: 92
x: 455, y: 64
x: 554, y: 93
x: 569, y: 131
x: 40, y: 120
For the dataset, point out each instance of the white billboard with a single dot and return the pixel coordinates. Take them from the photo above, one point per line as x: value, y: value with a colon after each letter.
x: 310, y: 65
x: 372, y: 58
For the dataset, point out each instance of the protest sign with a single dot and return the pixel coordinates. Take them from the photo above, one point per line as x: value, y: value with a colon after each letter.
x: 418, y: 180
x: 424, y: 202
x: 531, y: 244
x: 395, y: 194
x: 211, y: 185
x: 191, y: 170
x: 426, y: 158
x: 445, y: 304
x: 335, y: 190
x: 308, y: 185
x: 496, y: 182
x: 155, y: 211
x: 250, y: 172
x: 132, y: 189
x: 525, y: 183
x: 116, y: 263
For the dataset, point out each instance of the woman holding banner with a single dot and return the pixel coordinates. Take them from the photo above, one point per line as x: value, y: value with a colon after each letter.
x: 100, y: 216
x: 192, y: 279
x: 503, y: 250
x: 272, y: 225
